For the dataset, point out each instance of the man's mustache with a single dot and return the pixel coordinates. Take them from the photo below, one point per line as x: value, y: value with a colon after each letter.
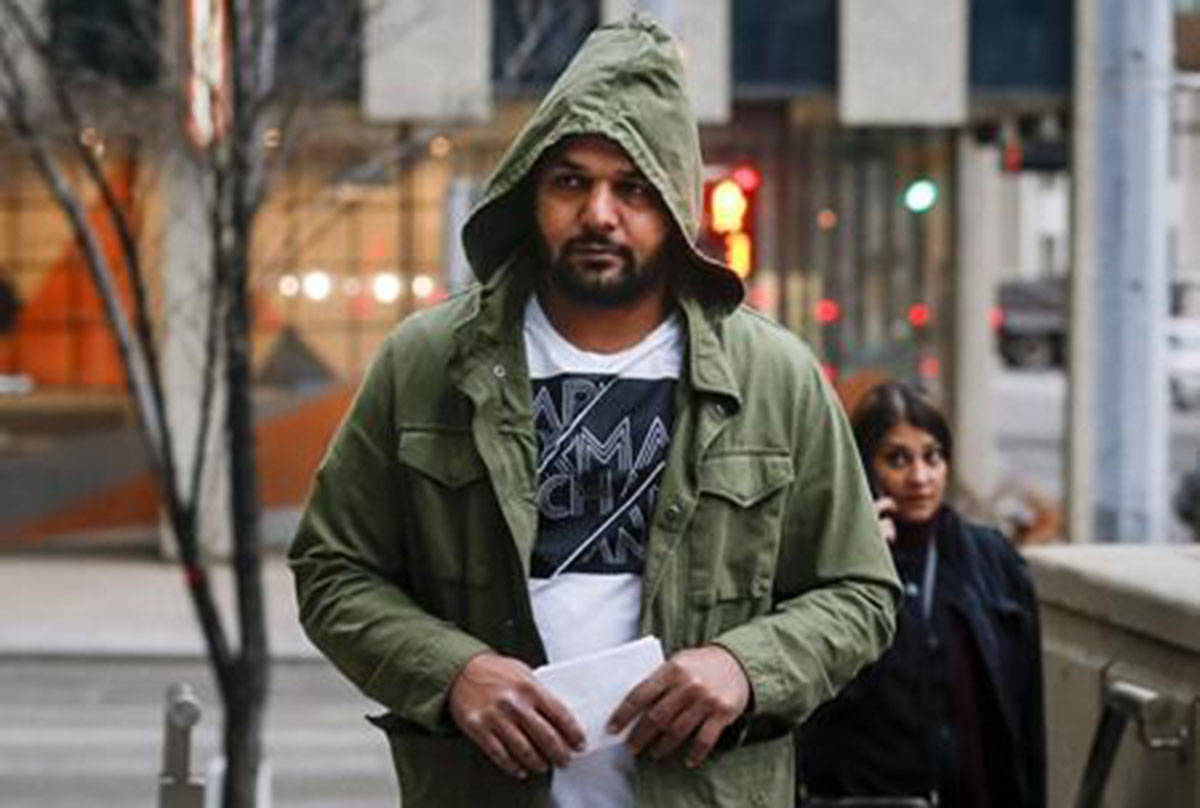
x: 594, y: 244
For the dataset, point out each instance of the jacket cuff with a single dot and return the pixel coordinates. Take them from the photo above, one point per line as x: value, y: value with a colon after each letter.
x: 745, y: 643
x: 417, y: 686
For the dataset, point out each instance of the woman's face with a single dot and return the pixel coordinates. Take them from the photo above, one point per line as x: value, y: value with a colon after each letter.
x: 910, y: 467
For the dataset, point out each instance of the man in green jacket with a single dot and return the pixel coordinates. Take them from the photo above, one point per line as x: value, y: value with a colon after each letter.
x: 595, y: 444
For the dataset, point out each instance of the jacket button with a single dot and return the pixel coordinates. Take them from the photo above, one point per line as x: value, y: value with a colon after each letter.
x: 674, y: 512
x: 499, y: 372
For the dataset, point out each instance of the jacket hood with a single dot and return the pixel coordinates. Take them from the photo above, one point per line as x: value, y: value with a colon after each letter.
x: 627, y: 84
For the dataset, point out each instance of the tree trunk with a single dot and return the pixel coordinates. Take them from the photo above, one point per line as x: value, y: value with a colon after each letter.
x: 243, y: 744
x: 244, y: 716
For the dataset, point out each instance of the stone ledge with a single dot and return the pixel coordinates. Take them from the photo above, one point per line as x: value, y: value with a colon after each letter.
x: 1152, y: 590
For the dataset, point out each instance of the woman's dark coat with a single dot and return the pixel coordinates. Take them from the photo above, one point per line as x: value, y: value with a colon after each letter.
x: 860, y: 743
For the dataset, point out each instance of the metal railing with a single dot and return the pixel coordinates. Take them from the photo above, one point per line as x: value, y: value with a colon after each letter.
x: 1124, y: 701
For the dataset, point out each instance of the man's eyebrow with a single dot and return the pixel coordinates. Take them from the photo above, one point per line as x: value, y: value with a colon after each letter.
x: 564, y: 163
x: 567, y: 164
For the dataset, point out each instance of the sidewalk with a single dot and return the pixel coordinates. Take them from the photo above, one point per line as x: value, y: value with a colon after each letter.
x: 95, y: 606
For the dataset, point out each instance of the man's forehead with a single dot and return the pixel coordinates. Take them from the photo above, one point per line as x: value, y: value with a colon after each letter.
x: 586, y: 149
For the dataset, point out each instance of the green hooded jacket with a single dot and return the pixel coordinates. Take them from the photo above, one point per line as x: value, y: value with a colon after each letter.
x: 413, y: 552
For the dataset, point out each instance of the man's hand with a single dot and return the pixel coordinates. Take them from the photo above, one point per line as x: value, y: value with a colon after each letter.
x: 699, y: 690
x: 514, y: 719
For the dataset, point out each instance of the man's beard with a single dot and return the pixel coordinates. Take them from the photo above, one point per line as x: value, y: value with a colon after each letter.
x: 569, y: 275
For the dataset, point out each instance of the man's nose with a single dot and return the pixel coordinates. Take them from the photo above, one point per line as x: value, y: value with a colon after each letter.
x: 600, y: 209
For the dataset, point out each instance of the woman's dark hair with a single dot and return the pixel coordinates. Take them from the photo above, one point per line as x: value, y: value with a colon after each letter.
x: 891, y: 403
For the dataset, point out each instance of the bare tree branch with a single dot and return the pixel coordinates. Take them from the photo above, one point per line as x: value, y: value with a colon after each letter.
x: 536, y: 23
x: 131, y: 350
x: 181, y: 515
x: 328, y: 201
x: 238, y: 161
x: 207, y: 391
x: 117, y: 217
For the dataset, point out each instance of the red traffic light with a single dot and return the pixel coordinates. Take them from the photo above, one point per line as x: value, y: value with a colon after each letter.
x: 728, y: 206
x: 729, y: 218
x: 827, y: 311
x: 918, y: 315
x: 747, y: 177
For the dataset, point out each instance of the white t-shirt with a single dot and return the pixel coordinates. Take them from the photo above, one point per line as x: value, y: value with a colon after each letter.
x: 603, y: 424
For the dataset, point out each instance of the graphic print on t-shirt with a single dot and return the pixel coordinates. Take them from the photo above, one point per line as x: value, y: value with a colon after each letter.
x: 603, y: 422
x: 602, y: 442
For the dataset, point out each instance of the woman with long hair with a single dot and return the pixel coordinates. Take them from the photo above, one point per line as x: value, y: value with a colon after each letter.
x: 951, y: 715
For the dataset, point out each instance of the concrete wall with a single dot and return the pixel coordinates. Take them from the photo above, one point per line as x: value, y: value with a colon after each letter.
x: 1121, y: 612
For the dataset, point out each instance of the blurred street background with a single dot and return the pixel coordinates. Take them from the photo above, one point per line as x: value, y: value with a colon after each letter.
x: 996, y: 199
x: 83, y: 678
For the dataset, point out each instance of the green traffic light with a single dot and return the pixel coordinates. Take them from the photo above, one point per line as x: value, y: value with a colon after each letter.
x: 920, y: 195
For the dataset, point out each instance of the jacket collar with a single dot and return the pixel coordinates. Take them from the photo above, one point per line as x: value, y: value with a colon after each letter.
x: 494, y: 322
x: 488, y: 323
x: 708, y: 364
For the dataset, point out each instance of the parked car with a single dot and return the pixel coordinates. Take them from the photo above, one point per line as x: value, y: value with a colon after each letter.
x: 1031, y: 323
x: 1031, y: 330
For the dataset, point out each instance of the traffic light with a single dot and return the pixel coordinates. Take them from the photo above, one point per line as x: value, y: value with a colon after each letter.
x: 729, y: 212
x: 919, y: 315
x: 827, y: 311
x: 921, y: 195
x: 1035, y: 155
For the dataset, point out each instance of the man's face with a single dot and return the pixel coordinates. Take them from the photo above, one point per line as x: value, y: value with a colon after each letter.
x: 602, y: 224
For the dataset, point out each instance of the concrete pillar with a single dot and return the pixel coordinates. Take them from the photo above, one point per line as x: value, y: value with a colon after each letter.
x: 1118, y: 385
x: 186, y: 265
x: 903, y: 62
x: 427, y: 60
x: 980, y: 243
x: 1186, y: 193
x: 187, y: 286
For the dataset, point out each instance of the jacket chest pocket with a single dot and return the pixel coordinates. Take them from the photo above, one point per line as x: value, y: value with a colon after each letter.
x: 735, y: 530
x: 452, y: 524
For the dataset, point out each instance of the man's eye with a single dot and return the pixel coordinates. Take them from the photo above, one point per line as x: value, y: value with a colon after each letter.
x: 636, y: 191
x: 934, y: 457
x: 896, y: 460
x: 567, y: 182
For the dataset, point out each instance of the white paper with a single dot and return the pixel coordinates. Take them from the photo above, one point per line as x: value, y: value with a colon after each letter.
x: 593, y: 686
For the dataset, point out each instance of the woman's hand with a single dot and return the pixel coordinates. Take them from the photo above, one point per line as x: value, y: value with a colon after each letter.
x: 884, y: 508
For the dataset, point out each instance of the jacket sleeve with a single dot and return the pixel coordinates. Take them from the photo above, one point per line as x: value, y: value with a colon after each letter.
x: 1031, y: 709
x: 836, y: 589
x: 348, y: 562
